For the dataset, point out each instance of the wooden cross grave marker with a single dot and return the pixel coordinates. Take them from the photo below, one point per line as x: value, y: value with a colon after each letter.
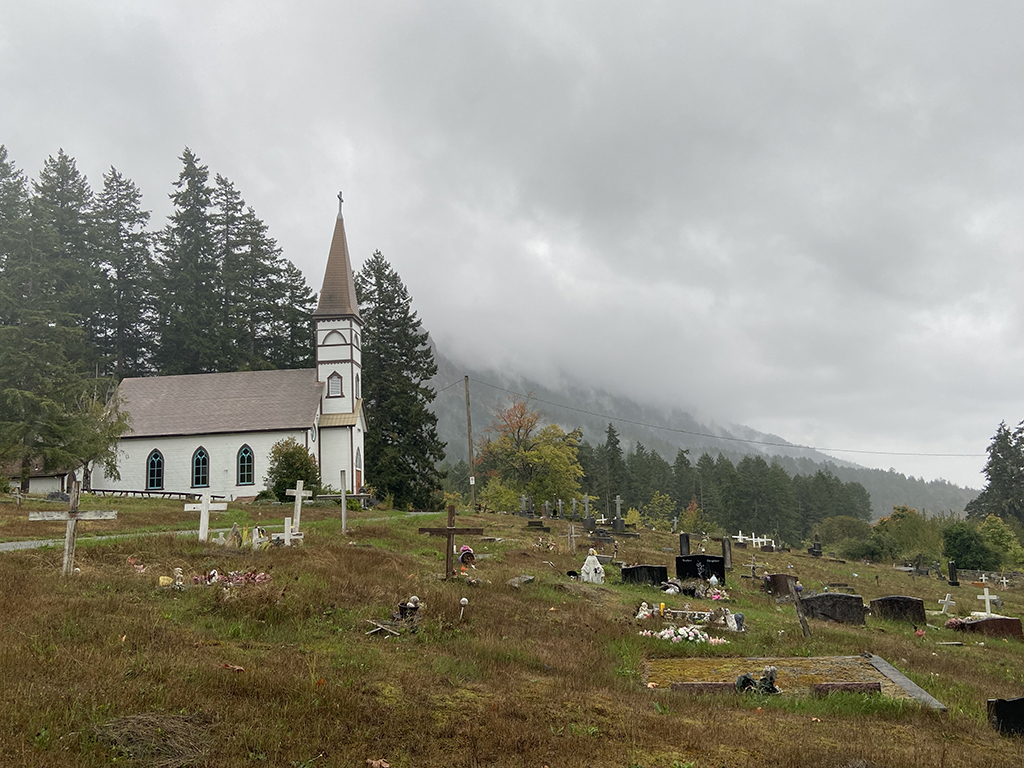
x: 947, y: 603
x: 203, y: 508
x: 72, y: 515
x: 451, y: 532
x: 299, y: 495
x: 571, y: 538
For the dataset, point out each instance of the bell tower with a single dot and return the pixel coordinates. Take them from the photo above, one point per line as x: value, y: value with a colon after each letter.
x: 338, y: 330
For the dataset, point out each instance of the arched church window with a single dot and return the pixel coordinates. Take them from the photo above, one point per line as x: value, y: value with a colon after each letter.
x: 333, y: 339
x: 359, y: 459
x: 246, y: 466
x: 155, y: 471
x: 200, y: 468
x: 334, y: 388
x: 358, y: 390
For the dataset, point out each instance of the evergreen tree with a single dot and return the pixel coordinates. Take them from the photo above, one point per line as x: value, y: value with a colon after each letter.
x: 402, y: 447
x: 63, y: 254
x: 612, y: 478
x: 51, y: 414
x: 189, y: 286
x: 1004, y: 494
x: 126, y: 337
x: 684, y: 479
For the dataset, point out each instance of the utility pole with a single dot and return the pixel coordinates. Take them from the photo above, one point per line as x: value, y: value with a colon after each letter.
x: 469, y: 437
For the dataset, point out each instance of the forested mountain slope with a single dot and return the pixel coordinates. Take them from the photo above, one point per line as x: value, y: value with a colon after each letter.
x: 592, y: 410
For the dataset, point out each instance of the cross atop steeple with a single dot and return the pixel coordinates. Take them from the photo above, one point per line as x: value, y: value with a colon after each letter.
x: 340, y: 201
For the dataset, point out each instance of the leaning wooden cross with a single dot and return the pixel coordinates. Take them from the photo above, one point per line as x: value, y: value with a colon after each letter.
x: 451, y: 532
x: 203, y: 508
x: 299, y: 495
x: 73, y: 515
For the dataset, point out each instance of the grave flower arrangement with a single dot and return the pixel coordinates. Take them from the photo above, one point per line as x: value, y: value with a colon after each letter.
x: 688, y: 634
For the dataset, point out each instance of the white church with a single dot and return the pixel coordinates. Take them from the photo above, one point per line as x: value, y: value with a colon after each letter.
x: 212, y: 433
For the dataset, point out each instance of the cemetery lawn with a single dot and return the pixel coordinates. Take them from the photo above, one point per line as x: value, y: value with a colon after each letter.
x: 107, y: 667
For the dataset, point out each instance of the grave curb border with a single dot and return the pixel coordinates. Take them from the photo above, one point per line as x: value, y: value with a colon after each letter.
x: 908, y: 685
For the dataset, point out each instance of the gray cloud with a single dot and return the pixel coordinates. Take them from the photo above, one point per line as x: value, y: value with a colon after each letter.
x: 803, y: 217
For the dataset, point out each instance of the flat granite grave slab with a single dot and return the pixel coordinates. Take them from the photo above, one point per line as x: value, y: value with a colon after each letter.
x: 645, y: 574
x: 797, y: 676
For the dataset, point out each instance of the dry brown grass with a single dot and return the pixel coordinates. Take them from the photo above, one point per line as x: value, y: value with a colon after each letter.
x: 513, y: 684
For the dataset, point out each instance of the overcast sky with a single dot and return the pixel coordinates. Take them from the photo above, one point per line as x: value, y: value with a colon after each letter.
x: 805, y: 217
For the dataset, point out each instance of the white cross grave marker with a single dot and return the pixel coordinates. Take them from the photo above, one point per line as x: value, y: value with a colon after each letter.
x: 1005, y: 582
x: 299, y: 495
x: 203, y: 508
x: 988, y: 601
x: 72, y: 515
x: 947, y: 603
x: 984, y: 579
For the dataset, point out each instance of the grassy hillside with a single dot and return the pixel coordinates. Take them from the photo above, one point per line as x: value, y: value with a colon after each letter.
x: 109, y: 668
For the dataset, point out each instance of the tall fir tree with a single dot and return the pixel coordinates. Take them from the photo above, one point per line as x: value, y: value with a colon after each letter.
x: 53, y: 415
x: 189, y: 304
x: 1003, y: 496
x: 123, y: 247
x: 612, y: 480
x: 402, y: 446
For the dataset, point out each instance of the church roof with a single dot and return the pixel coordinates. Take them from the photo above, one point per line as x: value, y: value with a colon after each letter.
x: 212, y: 403
x: 338, y: 295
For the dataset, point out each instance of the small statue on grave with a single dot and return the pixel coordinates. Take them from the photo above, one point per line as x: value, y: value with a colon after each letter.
x: 592, y: 570
x: 235, y: 537
x: 766, y: 685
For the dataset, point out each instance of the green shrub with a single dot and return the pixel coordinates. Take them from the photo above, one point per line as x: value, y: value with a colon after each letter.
x: 289, y: 463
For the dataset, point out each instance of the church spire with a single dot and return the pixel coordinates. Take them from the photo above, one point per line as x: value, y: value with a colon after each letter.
x: 338, y: 295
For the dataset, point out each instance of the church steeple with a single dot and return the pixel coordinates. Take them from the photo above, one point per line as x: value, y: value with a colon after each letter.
x: 338, y: 295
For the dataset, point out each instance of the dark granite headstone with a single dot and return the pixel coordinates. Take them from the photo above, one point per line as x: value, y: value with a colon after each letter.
x: 953, y: 578
x: 778, y: 583
x: 1007, y: 716
x: 618, y: 525
x: 589, y: 524
x: 899, y: 608
x: 727, y: 553
x: 684, y: 543
x: 833, y: 606
x: 767, y: 547
x: 700, y: 567
x: 645, y: 574
x: 740, y: 545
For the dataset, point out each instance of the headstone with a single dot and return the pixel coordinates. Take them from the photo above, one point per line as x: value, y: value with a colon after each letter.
x: 575, y: 516
x: 900, y: 608
x: 995, y: 626
x: 235, y: 537
x: 675, y: 523
x: 952, y: 574
x: 560, y: 508
x: 645, y: 574
x: 700, y: 567
x: 589, y: 524
x: 519, y: 581
x: 684, y: 544
x: 834, y: 606
x: 815, y: 549
x: 727, y: 553
x: 767, y: 547
x: 778, y: 583
x: 1007, y: 716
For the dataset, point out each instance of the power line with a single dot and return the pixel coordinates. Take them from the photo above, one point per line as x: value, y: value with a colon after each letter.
x: 720, y: 437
